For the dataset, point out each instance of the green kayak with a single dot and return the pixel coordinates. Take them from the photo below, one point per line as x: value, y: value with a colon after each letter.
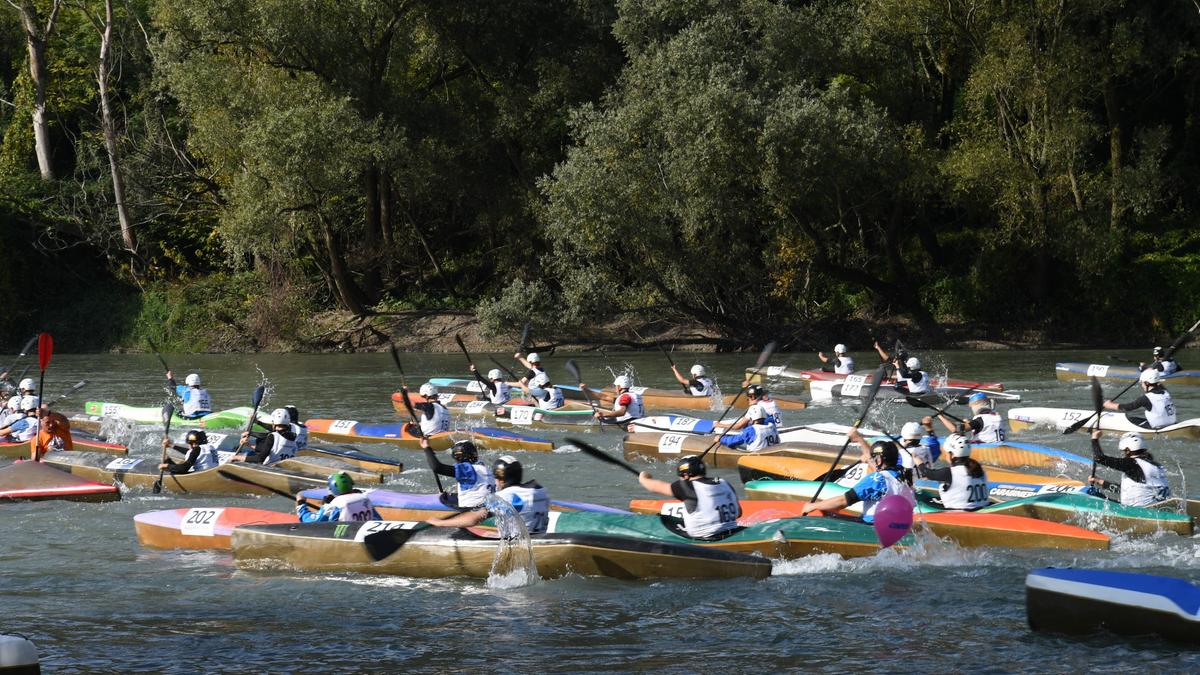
x: 223, y: 419
x: 785, y: 538
x: 1063, y: 507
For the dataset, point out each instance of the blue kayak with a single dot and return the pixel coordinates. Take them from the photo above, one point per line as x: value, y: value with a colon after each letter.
x: 1083, y: 602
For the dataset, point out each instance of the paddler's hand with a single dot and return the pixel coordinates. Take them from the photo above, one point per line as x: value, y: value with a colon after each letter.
x: 424, y: 442
x: 517, y: 355
x: 644, y: 475
x: 927, y: 422
x: 471, y: 367
x: 854, y: 435
x: 166, y: 443
x: 1096, y: 434
x: 170, y: 375
x: 162, y: 467
x: 1109, y: 405
x: 300, y: 499
x: 808, y: 508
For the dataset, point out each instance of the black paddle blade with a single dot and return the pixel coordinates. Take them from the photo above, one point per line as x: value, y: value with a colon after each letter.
x: 524, y: 336
x: 766, y: 354
x: 384, y: 543
x: 589, y: 449
x: 1181, y: 340
x: 458, y: 339
x: 257, y: 397
x: 1097, y: 395
x: 167, y: 411
x: 876, y: 382
x: 573, y: 369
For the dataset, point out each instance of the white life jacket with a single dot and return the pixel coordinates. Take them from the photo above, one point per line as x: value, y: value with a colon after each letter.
x: 1154, y: 490
x: 10, y: 418
x: 301, y: 432
x: 475, y: 485
x: 764, y: 435
x: 196, y: 402
x: 636, y: 409
x: 716, y: 509
x: 964, y: 492
x: 915, y: 387
x: 530, y: 502
x: 281, y: 448
x: 770, y: 407
x: 356, y: 507
x: 1169, y: 367
x: 440, y: 422
x: 992, y: 430
x: 894, y: 487
x: 845, y: 365
x: 553, y: 401
x: 502, y: 395
x: 27, y: 431
x: 1162, y: 409
x: 706, y: 387
x: 207, y: 458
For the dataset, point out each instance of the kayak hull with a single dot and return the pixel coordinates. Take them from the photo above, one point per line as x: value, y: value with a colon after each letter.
x: 759, y: 466
x: 657, y: 446
x: 143, y: 473
x: 1020, y: 419
x: 400, y: 435
x: 1071, y: 371
x: 38, y: 481
x: 204, y: 528
x: 772, y: 372
x: 365, y: 461
x: 1084, y: 602
x: 233, y: 418
x: 411, y: 506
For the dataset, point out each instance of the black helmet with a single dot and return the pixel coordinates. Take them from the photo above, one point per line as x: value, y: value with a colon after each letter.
x: 886, y: 450
x: 508, y: 469
x: 1158, y: 351
x: 464, y: 451
x: 691, y: 465
x: 755, y: 390
x: 196, y: 436
x: 293, y: 413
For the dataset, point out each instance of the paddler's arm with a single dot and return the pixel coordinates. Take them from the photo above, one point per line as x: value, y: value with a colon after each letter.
x: 883, y: 356
x: 950, y: 425
x: 487, y: 383
x: 678, y: 377
x: 435, y: 465
x: 831, y: 503
x: 262, y: 448
x: 1139, y: 403
x: 464, y: 519
x: 863, y: 445
x: 307, y: 515
x: 746, y: 435
x: 654, y: 485
x: 1126, y: 465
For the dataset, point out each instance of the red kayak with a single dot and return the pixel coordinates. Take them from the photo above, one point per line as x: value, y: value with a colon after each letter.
x: 35, y: 481
x: 201, y: 528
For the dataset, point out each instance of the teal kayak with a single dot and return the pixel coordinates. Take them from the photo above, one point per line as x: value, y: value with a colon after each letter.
x: 224, y: 419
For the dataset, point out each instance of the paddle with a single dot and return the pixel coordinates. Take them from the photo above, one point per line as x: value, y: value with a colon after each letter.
x: 524, y: 337
x: 256, y: 399
x: 573, y: 369
x: 45, y: 351
x: 758, y: 365
x: 458, y: 339
x: 168, y: 411
x: 1097, y: 405
x: 597, y: 453
x: 67, y: 394
x: 382, y: 543
x: 161, y: 360
x: 501, y: 366
x: 241, y: 479
x: 412, y: 414
x: 875, y: 382
x: 672, y: 362
x: 1078, y: 424
x: 1180, y: 341
x: 21, y: 355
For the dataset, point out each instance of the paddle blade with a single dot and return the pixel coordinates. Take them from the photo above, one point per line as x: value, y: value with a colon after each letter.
x: 458, y: 339
x: 29, y: 345
x: 257, y: 397
x: 893, y: 519
x: 588, y: 449
x: 1097, y: 395
x: 766, y: 354
x: 383, y: 543
x: 524, y: 336
x: 876, y: 381
x: 167, y: 411
x: 573, y: 369
x: 45, y: 350
x: 1181, y: 340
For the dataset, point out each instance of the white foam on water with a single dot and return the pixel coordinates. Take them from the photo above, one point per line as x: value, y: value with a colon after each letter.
x: 813, y: 564
x: 513, y: 565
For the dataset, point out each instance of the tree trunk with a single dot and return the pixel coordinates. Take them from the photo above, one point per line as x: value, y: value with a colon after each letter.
x: 1112, y: 109
x: 349, y: 293
x: 110, y: 134
x: 387, y: 210
x: 36, y: 38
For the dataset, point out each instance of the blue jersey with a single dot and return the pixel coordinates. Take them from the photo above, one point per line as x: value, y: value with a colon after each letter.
x: 328, y: 513
x: 872, y: 488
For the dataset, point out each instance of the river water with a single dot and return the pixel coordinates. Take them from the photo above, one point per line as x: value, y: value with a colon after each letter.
x: 74, y: 579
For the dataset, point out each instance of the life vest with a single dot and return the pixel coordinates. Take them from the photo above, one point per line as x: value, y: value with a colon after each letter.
x: 764, y: 435
x: 770, y: 407
x: 502, y: 395
x: 964, y: 491
x: 207, y: 458
x: 1169, y: 366
x: 196, y: 402
x: 356, y: 507
x: 553, y: 399
x: 633, y: 410
x: 1154, y: 490
x: 705, y: 388
x: 25, y: 429
x: 438, y: 423
x: 1162, y: 409
x: 531, y: 502
x: 913, y: 386
x: 475, y: 483
x: 301, y: 432
x: 281, y: 448
x: 992, y: 430
x: 716, y: 508
x: 845, y: 365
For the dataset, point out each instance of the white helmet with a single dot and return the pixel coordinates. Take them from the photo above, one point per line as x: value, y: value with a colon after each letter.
x: 280, y: 416
x: 698, y: 370
x: 756, y: 412
x: 26, y: 384
x: 533, y: 357
x: 1132, y: 442
x: 192, y: 380
x: 957, y: 445
x: 1151, y: 376
x: 540, y: 380
x: 623, y: 382
x: 839, y: 349
x: 911, y: 431
x: 428, y: 390
x: 14, y: 403
x: 495, y: 374
x: 29, y: 403
x: 913, y: 363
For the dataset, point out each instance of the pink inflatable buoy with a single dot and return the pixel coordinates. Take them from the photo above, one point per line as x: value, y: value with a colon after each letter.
x: 893, y: 519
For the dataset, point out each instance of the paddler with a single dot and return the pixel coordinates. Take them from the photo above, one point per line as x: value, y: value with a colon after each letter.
x: 963, y: 485
x: 627, y: 406
x: 201, y: 455
x: 433, y: 417
x: 544, y: 393
x: 1162, y: 363
x: 497, y: 389
x: 533, y: 363
x: 55, y: 433
x: 474, y: 478
x: 710, y: 505
x: 1144, y: 482
x: 918, y: 440
x: 758, y: 434
x: 839, y: 364
x: 699, y: 384
x: 883, y: 461
x: 528, y: 499
x: 986, y: 426
x: 343, y: 503
x: 272, y: 446
x: 25, y: 427
x: 755, y: 395
x: 1155, y: 400
x: 298, y: 427
x: 196, y: 401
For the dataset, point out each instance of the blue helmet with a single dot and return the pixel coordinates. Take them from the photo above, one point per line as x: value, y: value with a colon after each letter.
x: 340, y: 483
x: 977, y: 396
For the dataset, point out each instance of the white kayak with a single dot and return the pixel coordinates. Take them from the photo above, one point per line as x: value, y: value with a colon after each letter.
x: 1113, y: 422
x: 822, y: 433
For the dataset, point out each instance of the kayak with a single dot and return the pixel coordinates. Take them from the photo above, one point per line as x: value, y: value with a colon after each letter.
x: 205, y: 527
x: 38, y: 481
x: 410, y: 506
x: 224, y: 419
x: 965, y: 529
x: 821, y: 433
x: 774, y: 372
x: 572, y: 413
x: 355, y: 457
x: 1054, y: 507
x: 1083, y: 602
x: 1020, y: 419
x: 311, y: 464
x: 19, y: 656
x: 858, y: 386
x: 141, y: 472
x: 414, y: 549
x: 1082, y: 371
x: 399, y: 434
x: 677, y: 399
x: 21, y: 449
x: 655, y: 446
x: 774, y: 467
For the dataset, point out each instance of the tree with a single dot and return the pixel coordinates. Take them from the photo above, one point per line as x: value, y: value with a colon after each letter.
x: 37, y: 37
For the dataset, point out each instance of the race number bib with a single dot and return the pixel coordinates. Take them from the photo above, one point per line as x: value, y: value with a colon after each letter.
x: 216, y: 440
x: 446, y: 398
x: 342, y: 426
x: 683, y: 423
x: 224, y: 457
x: 123, y: 464
x: 475, y: 386
x: 670, y: 444
x: 673, y: 509
x: 853, y: 474
x: 775, y: 371
x: 1097, y: 370
x: 853, y: 385
x: 200, y: 522
x: 371, y: 527
x: 638, y: 390
x: 111, y: 409
x: 521, y: 414
x: 476, y: 407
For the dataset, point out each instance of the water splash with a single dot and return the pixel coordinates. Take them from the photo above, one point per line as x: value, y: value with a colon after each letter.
x: 268, y: 388
x: 513, y: 565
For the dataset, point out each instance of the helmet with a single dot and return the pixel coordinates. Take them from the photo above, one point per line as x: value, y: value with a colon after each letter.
x: 293, y: 413
x: 508, y: 469
x: 26, y: 384
x: 756, y: 412
x: 886, y: 450
x: 913, y: 364
x: 1132, y: 442
x: 428, y: 390
x: 691, y: 465
x: 340, y: 483
x: 957, y: 445
x: 979, y: 400
x: 14, y: 403
x: 196, y: 436
x: 623, y: 382
x: 29, y: 403
x: 541, y: 380
x: 280, y: 416
x: 911, y: 431
x: 192, y: 380
x: 464, y: 451
x: 533, y: 357
x: 839, y: 349
x: 1151, y: 376
x: 755, y: 390
x: 495, y: 374
x: 698, y: 370
x: 1158, y: 351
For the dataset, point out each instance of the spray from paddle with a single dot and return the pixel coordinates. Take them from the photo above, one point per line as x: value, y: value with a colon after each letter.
x: 513, y: 565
